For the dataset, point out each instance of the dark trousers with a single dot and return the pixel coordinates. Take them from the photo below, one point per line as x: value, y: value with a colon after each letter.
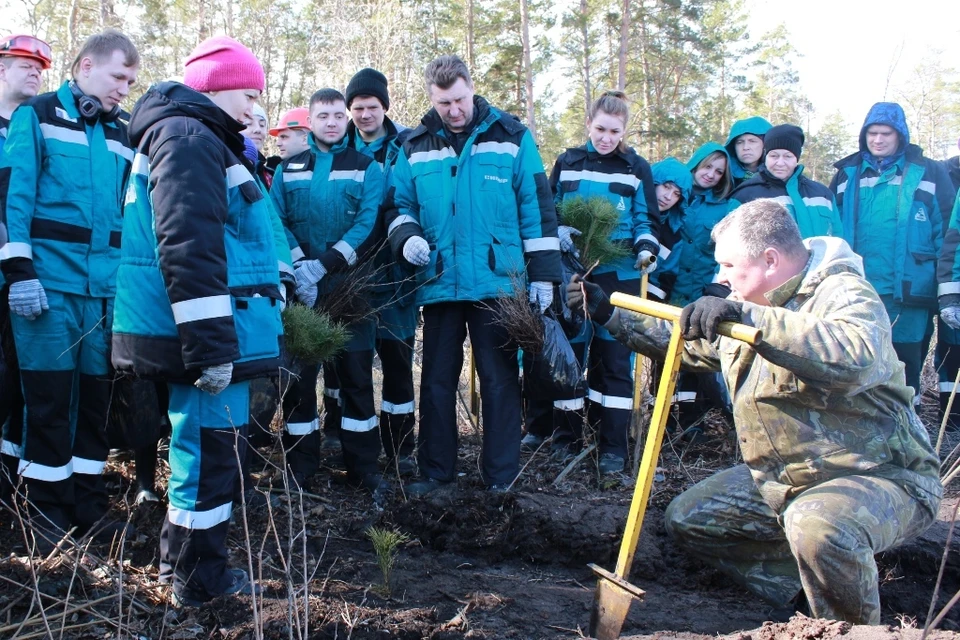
x: 445, y: 328
x: 947, y: 363
x: 397, y: 418
x: 64, y: 367
x: 11, y: 403
x: 207, y: 442
x: 352, y: 373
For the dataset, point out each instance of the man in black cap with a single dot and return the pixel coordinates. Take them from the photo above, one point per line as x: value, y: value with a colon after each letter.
x: 372, y: 133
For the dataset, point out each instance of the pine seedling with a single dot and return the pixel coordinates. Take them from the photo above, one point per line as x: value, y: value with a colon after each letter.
x: 596, y: 218
x: 386, y: 544
x: 312, y: 337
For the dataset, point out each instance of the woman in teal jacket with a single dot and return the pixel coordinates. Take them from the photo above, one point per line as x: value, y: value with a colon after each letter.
x: 605, y: 167
x: 694, y: 274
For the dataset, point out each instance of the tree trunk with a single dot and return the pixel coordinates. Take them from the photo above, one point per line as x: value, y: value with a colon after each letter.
x: 471, y: 60
x: 585, y: 33
x: 624, y: 42
x: 528, y: 66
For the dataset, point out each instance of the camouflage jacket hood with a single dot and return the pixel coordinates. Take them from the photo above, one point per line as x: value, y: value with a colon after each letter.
x: 823, y: 395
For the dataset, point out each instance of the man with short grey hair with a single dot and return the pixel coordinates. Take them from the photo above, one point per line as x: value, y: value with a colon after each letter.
x: 837, y: 466
x: 470, y: 211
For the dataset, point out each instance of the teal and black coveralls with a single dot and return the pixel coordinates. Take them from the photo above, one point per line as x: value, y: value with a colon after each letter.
x: 63, y: 212
x: 11, y: 393
x: 481, y: 200
x: 397, y: 310
x: 625, y: 180
x: 893, y: 211
x: 198, y: 286
x: 327, y: 202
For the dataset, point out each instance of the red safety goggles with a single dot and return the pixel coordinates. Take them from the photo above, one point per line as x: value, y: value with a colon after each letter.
x: 27, y: 47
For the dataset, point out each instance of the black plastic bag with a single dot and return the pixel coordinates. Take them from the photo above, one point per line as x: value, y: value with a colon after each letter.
x: 555, y: 372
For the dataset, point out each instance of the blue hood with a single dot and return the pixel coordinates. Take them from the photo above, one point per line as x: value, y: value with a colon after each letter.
x: 758, y: 126
x: 889, y: 114
x: 672, y: 170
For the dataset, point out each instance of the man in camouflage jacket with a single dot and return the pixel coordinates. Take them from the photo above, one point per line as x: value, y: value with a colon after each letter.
x: 837, y: 466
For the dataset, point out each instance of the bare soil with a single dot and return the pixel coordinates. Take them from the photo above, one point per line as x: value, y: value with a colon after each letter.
x: 476, y: 565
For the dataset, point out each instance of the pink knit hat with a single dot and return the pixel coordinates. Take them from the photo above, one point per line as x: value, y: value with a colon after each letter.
x: 222, y: 64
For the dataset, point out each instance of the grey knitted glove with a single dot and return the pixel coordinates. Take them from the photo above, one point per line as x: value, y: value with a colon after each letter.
x: 28, y: 299
x: 416, y: 251
x: 215, y: 379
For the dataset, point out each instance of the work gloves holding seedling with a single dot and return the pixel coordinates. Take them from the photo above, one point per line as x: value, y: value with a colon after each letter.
x: 566, y: 239
x: 542, y: 293
x: 700, y: 319
x: 416, y: 251
x: 598, y: 305
x: 949, y: 309
x: 28, y: 299
x: 308, y: 273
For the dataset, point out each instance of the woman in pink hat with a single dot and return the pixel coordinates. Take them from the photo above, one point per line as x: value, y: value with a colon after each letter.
x: 198, y: 298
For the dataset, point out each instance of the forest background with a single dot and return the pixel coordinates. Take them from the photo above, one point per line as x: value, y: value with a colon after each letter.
x: 690, y: 67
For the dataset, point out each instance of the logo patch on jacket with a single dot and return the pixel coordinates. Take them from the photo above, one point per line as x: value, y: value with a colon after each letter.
x: 921, y: 215
x: 63, y: 115
x: 495, y: 179
x: 621, y: 206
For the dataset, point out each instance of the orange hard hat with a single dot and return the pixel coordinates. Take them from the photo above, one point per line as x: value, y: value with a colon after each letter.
x: 23, y: 46
x: 296, y: 118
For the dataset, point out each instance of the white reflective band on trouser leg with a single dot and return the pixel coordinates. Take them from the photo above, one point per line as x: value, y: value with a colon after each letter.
x: 88, y: 467
x: 569, y: 405
x: 36, y: 471
x: 199, y: 519
x: 303, y: 428
x: 945, y: 387
x: 11, y: 449
x: 396, y: 409
x: 610, y: 402
x: 359, y: 426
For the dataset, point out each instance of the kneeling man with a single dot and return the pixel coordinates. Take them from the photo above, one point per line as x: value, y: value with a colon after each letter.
x: 837, y: 466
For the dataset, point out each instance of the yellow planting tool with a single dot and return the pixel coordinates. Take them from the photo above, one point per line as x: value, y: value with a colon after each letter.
x: 614, y: 594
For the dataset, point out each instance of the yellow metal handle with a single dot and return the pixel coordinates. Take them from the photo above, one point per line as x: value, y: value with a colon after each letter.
x: 742, y: 332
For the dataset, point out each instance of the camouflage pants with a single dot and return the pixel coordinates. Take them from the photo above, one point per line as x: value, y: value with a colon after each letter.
x: 823, y: 542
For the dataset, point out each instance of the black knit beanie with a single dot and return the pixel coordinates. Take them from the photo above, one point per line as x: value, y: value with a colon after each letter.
x: 784, y: 136
x: 369, y: 82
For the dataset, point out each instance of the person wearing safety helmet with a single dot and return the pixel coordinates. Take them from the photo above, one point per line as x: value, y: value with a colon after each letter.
x: 291, y: 132
x: 23, y: 59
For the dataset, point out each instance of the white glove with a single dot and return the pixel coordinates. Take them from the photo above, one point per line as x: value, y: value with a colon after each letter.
x: 566, y: 239
x: 215, y: 379
x: 308, y: 273
x: 950, y: 315
x: 308, y: 296
x: 649, y: 259
x: 542, y: 293
x: 28, y: 299
x: 416, y: 251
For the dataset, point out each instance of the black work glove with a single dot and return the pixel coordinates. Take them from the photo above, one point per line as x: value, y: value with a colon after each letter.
x: 717, y: 290
x: 700, y: 319
x: 598, y: 305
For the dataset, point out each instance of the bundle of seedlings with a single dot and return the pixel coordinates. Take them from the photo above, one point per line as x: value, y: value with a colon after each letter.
x: 352, y: 296
x: 520, y: 317
x: 596, y: 218
x: 311, y: 336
